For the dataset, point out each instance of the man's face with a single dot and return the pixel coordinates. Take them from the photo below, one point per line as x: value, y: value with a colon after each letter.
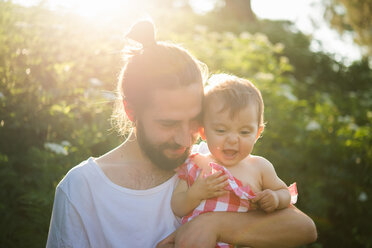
x: 169, y: 125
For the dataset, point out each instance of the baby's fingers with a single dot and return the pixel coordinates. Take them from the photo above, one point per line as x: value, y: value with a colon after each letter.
x: 200, y: 176
x: 214, y: 175
x: 212, y: 179
x: 221, y: 185
x: 267, y: 208
x: 253, y: 206
x: 221, y: 179
x: 267, y: 205
x: 258, y: 197
x: 219, y: 193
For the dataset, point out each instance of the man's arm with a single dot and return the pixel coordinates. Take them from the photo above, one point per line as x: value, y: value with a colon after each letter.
x: 288, y: 227
x: 66, y: 229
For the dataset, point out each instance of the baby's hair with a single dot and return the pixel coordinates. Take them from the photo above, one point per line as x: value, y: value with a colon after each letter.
x: 235, y: 93
x: 151, y: 65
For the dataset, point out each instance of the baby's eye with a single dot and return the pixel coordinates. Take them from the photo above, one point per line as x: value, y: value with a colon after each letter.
x: 220, y: 131
x: 245, y: 132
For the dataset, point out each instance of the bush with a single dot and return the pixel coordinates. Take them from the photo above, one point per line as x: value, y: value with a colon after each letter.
x: 57, y: 74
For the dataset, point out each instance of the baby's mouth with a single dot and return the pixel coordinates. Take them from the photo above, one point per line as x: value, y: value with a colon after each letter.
x: 229, y: 153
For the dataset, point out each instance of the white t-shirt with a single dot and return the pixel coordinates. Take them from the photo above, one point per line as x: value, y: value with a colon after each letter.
x: 91, y: 211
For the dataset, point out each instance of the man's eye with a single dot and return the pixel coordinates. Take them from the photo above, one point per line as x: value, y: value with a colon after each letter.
x: 168, y: 124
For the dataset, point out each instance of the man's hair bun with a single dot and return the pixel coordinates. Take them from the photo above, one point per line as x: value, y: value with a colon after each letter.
x: 142, y: 32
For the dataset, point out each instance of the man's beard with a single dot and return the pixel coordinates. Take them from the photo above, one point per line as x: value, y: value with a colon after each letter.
x: 155, y: 152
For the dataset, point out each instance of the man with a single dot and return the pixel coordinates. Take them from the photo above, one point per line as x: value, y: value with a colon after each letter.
x: 122, y: 199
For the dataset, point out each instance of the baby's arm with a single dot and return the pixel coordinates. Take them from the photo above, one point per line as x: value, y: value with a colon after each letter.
x: 275, y: 194
x: 185, y: 199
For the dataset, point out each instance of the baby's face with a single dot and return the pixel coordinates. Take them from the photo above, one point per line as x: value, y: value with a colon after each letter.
x: 230, y: 140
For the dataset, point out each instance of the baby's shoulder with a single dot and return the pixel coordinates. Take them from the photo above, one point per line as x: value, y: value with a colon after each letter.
x: 259, y: 163
x: 201, y: 161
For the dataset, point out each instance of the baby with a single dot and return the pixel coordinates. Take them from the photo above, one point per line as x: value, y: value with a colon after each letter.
x: 229, y: 178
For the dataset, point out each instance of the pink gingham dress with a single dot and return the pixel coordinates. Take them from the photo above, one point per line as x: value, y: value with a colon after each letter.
x: 236, y: 200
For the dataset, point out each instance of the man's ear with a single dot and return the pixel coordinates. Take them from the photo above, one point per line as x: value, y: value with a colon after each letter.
x: 129, y: 111
x: 259, y: 132
x: 202, y: 133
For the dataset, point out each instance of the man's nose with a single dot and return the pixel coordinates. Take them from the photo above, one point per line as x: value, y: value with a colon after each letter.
x: 184, y: 136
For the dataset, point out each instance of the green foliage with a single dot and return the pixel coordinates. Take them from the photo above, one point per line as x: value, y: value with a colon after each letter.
x: 354, y: 16
x: 51, y: 117
x: 57, y: 72
x: 318, y: 114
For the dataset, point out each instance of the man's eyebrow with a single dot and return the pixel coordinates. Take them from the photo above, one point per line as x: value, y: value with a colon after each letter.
x: 195, y: 118
x: 167, y: 120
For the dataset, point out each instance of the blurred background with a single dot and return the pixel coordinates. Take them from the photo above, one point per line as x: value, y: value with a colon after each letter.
x: 59, y: 63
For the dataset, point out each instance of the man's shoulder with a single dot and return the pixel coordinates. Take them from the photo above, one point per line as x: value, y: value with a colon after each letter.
x: 77, y: 175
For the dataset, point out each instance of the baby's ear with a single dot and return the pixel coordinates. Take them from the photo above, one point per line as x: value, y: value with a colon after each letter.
x: 201, y: 132
x: 259, y: 131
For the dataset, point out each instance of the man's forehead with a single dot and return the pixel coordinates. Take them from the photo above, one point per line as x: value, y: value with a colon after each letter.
x: 172, y: 103
x: 176, y: 88
x: 189, y: 93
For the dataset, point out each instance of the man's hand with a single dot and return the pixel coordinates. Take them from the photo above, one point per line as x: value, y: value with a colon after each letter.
x: 197, y: 233
x: 209, y: 187
x: 267, y: 200
x: 168, y: 242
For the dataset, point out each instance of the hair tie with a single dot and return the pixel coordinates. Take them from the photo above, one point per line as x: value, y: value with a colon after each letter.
x: 144, y: 33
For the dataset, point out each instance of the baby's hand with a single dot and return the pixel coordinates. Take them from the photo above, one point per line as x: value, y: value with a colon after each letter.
x: 267, y: 200
x: 210, y: 186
